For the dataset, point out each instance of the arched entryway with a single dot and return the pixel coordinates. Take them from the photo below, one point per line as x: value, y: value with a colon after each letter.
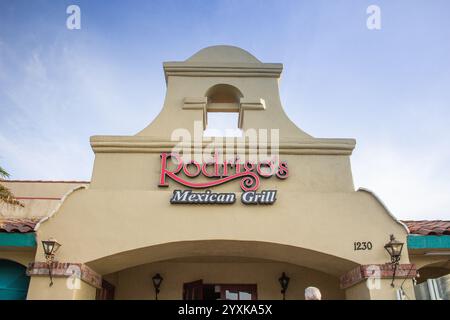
x: 220, y: 268
x: 13, y: 281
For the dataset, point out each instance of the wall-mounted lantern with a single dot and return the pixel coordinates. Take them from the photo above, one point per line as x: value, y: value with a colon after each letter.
x: 157, y: 279
x: 284, y: 282
x: 50, y: 247
x: 394, y: 248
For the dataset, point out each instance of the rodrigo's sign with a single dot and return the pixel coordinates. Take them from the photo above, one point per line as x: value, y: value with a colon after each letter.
x: 220, y: 173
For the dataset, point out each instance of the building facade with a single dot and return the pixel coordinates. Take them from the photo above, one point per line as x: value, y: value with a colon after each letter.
x: 225, y: 226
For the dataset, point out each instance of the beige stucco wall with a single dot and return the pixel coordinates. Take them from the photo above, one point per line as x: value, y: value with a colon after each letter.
x: 39, y: 198
x: 359, y: 291
x: 39, y: 189
x: 307, y: 174
x: 381, y: 291
x: 103, y: 223
x: 136, y: 283
x: 258, y: 88
x: 39, y: 289
x: 19, y: 255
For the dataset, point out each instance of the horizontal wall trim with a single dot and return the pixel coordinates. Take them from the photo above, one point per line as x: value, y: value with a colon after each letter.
x: 191, y: 69
x: 428, y: 242
x: 168, y: 149
x: 23, y: 240
x: 36, y: 198
x: 116, y: 144
x: 45, y: 181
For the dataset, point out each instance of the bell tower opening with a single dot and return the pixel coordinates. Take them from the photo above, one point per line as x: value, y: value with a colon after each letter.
x: 222, y: 111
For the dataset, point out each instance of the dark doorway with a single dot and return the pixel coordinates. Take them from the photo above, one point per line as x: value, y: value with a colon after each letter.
x: 106, y: 292
x: 197, y: 290
x: 193, y: 290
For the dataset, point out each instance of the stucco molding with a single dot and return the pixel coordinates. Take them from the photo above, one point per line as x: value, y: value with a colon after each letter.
x: 197, y: 103
x: 66, y: 269
x: 217, y: 69
x: 380, y: 271
x: 362, y: 189
x: 67, y: 194
x: 193, y: 103
x: 140, y: 144
x: 250, y: 105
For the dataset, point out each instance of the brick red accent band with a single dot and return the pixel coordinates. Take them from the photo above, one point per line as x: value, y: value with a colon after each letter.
x: 66, y: 269
x: 383, y: 271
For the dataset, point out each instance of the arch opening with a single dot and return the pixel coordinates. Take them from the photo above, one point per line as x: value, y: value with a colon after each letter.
x: 222, y: 111
x: 221, y: 264
x: 329, y: 264
x: 14, y: 281
x: 223, y: 93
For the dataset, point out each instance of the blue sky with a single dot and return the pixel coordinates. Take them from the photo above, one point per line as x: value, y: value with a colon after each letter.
x: 388, y: 88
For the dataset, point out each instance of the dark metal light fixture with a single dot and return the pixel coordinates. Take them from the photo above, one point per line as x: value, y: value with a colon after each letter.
x: 50, y: 247
x: 284, y: 282
x: 394, y: 248
x: 157, y: 279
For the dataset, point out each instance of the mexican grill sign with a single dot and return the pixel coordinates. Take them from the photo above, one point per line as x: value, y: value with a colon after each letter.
x: 216, y: 172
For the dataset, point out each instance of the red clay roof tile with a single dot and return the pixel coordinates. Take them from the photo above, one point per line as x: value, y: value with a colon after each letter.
x: 18, y: 225
x: 428, y: 227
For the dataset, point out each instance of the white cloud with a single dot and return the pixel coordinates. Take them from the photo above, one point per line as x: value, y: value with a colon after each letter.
x: 413, y: 183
